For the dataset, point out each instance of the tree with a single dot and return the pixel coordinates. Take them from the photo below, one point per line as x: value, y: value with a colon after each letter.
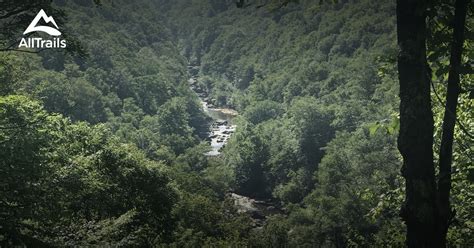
x: 312, y: 126
x: 247, y: 154
x: 426, y: 210
x: 415, y: 139
x: 262, y: 111
x: 24, y: 139
x: 446, y: 150
x: 56, y: 174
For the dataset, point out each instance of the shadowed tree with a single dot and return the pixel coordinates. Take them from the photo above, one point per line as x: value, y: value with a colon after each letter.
x: 415, y: 139
x: 446, y: 214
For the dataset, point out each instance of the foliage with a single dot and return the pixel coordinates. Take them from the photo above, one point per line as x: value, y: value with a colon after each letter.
x: 108, y: 149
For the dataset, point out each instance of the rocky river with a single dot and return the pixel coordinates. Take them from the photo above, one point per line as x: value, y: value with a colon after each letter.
x: 222, y: 126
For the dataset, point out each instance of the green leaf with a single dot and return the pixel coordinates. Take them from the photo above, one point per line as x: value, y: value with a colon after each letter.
x: 373, y: 128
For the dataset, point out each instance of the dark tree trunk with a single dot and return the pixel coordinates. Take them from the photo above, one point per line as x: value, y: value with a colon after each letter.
x: 415, y: 139
x: 449, y: 121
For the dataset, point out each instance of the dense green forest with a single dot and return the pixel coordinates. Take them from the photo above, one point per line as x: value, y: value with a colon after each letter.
x: 105, y: 143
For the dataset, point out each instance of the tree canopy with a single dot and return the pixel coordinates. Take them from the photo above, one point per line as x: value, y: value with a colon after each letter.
x: 107, y: 144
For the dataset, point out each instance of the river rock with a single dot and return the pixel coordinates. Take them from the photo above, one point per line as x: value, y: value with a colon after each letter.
x: 222, y: 123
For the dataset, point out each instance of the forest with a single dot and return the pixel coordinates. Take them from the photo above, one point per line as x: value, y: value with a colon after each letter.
x: 249, y: 123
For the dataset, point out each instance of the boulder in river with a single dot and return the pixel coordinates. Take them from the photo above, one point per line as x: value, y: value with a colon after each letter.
x: 222, y: 122
x: 256, y: 208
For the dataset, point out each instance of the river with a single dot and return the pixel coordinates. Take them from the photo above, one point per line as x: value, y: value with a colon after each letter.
x: 222, y: 126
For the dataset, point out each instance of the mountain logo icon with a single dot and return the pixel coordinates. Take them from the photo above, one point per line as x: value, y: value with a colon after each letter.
x: 47, y: 29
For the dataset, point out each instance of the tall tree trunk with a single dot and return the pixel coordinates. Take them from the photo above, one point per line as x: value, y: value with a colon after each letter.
x: 415, y: 139
x: 449, y: 121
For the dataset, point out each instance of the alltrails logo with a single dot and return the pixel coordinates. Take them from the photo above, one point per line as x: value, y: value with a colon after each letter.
x: 56, y: 42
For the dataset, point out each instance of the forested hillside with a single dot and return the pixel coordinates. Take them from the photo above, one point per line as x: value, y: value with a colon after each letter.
x: 106, y: 145
x: 309, y: 81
